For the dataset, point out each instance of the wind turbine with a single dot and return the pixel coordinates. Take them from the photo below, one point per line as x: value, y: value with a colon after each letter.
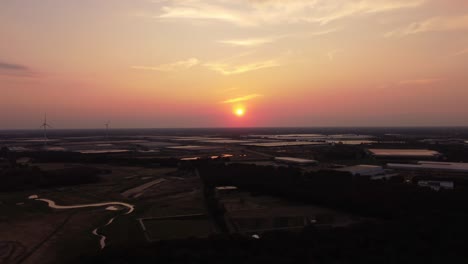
x: 45, y: 126
x: 107, y: 129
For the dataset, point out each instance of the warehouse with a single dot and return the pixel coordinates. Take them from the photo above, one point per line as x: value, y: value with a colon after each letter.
x: 404, y: 153
x: 295, y: 161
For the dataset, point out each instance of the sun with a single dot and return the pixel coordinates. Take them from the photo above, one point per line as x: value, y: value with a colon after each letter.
x: 239, y: 111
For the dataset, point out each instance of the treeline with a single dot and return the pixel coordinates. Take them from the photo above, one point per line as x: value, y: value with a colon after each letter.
x: 341, y: 190
x: 455, y: 153
x: 31, y: 177
x: 126, y: 159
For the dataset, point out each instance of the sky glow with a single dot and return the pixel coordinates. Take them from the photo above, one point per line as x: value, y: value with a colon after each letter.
x: 188, y: 63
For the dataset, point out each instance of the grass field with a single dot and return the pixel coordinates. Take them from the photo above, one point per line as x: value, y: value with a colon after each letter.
x: 44, y: 234
x: 177, y: 228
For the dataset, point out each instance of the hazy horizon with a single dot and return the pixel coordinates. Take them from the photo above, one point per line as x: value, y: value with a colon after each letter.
x: 304, y: 129
x: 249, y: 63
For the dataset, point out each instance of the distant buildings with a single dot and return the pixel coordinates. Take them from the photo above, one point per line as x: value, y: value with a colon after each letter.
x: 195, y: 148
x: 296, y: 161
x: 313, y: 137
x: 435, y: 175
x: 284, y: 144
x: 404, y: 153
x: 444, y: 141
x: 372, y: 171
x: 225, y: 141
x: 437, y: 185
x: 431, y: 166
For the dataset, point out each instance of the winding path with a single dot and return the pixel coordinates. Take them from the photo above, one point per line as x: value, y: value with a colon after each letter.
x: 111, y: 206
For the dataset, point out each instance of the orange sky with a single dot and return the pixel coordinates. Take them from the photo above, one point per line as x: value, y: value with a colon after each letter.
x: 188, y: 63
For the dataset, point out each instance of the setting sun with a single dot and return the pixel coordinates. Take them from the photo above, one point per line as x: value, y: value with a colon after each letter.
x: 239, y: 111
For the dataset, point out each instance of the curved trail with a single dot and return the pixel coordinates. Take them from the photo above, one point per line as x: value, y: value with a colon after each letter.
x: 111, y: 206
x: 102, y: 240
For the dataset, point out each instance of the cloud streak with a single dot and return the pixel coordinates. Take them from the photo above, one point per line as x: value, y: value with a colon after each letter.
x: 241, y: 99
x: 176, y: 66
x: 230, y: 69
x: 255, y: 42
x: 190, y: 9
x: 14, y: 69
x: 251, y: 42
x: 224, y: 68
x: 261, y: 12
x: 435, y: 24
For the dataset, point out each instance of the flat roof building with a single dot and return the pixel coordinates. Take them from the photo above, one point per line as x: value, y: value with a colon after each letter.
x: 225, y: 141
x: 431, y: 166
x: 283, y: 144
x: 437, y: 185
x: 295, y: 161
x: 404, y: 153
x: 199, y: 148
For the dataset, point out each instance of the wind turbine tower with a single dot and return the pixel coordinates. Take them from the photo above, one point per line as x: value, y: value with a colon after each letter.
x: 45, y: 125
x: 107, y: 129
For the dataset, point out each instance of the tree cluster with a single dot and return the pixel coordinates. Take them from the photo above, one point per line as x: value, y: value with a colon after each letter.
x: 31, y: 177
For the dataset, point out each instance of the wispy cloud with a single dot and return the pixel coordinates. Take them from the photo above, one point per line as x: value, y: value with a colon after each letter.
x: 328, y: 11
x: 13, y: 69
x: 226, y: 67
x: 261, y: 12
x: 178, y: 65
x: 420, y: 81
x: 231, y: 69
x: 252, y: 42
x: 452, y: 23
x: 190, y: 9
x: 241, y: 99
x: 461, y: 52
x: 322, y: 32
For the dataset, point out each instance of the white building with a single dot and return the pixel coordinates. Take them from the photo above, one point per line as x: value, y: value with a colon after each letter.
x: 437, y: 185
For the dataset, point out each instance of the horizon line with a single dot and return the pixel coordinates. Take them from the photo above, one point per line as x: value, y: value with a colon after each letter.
x: 247, y: 127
